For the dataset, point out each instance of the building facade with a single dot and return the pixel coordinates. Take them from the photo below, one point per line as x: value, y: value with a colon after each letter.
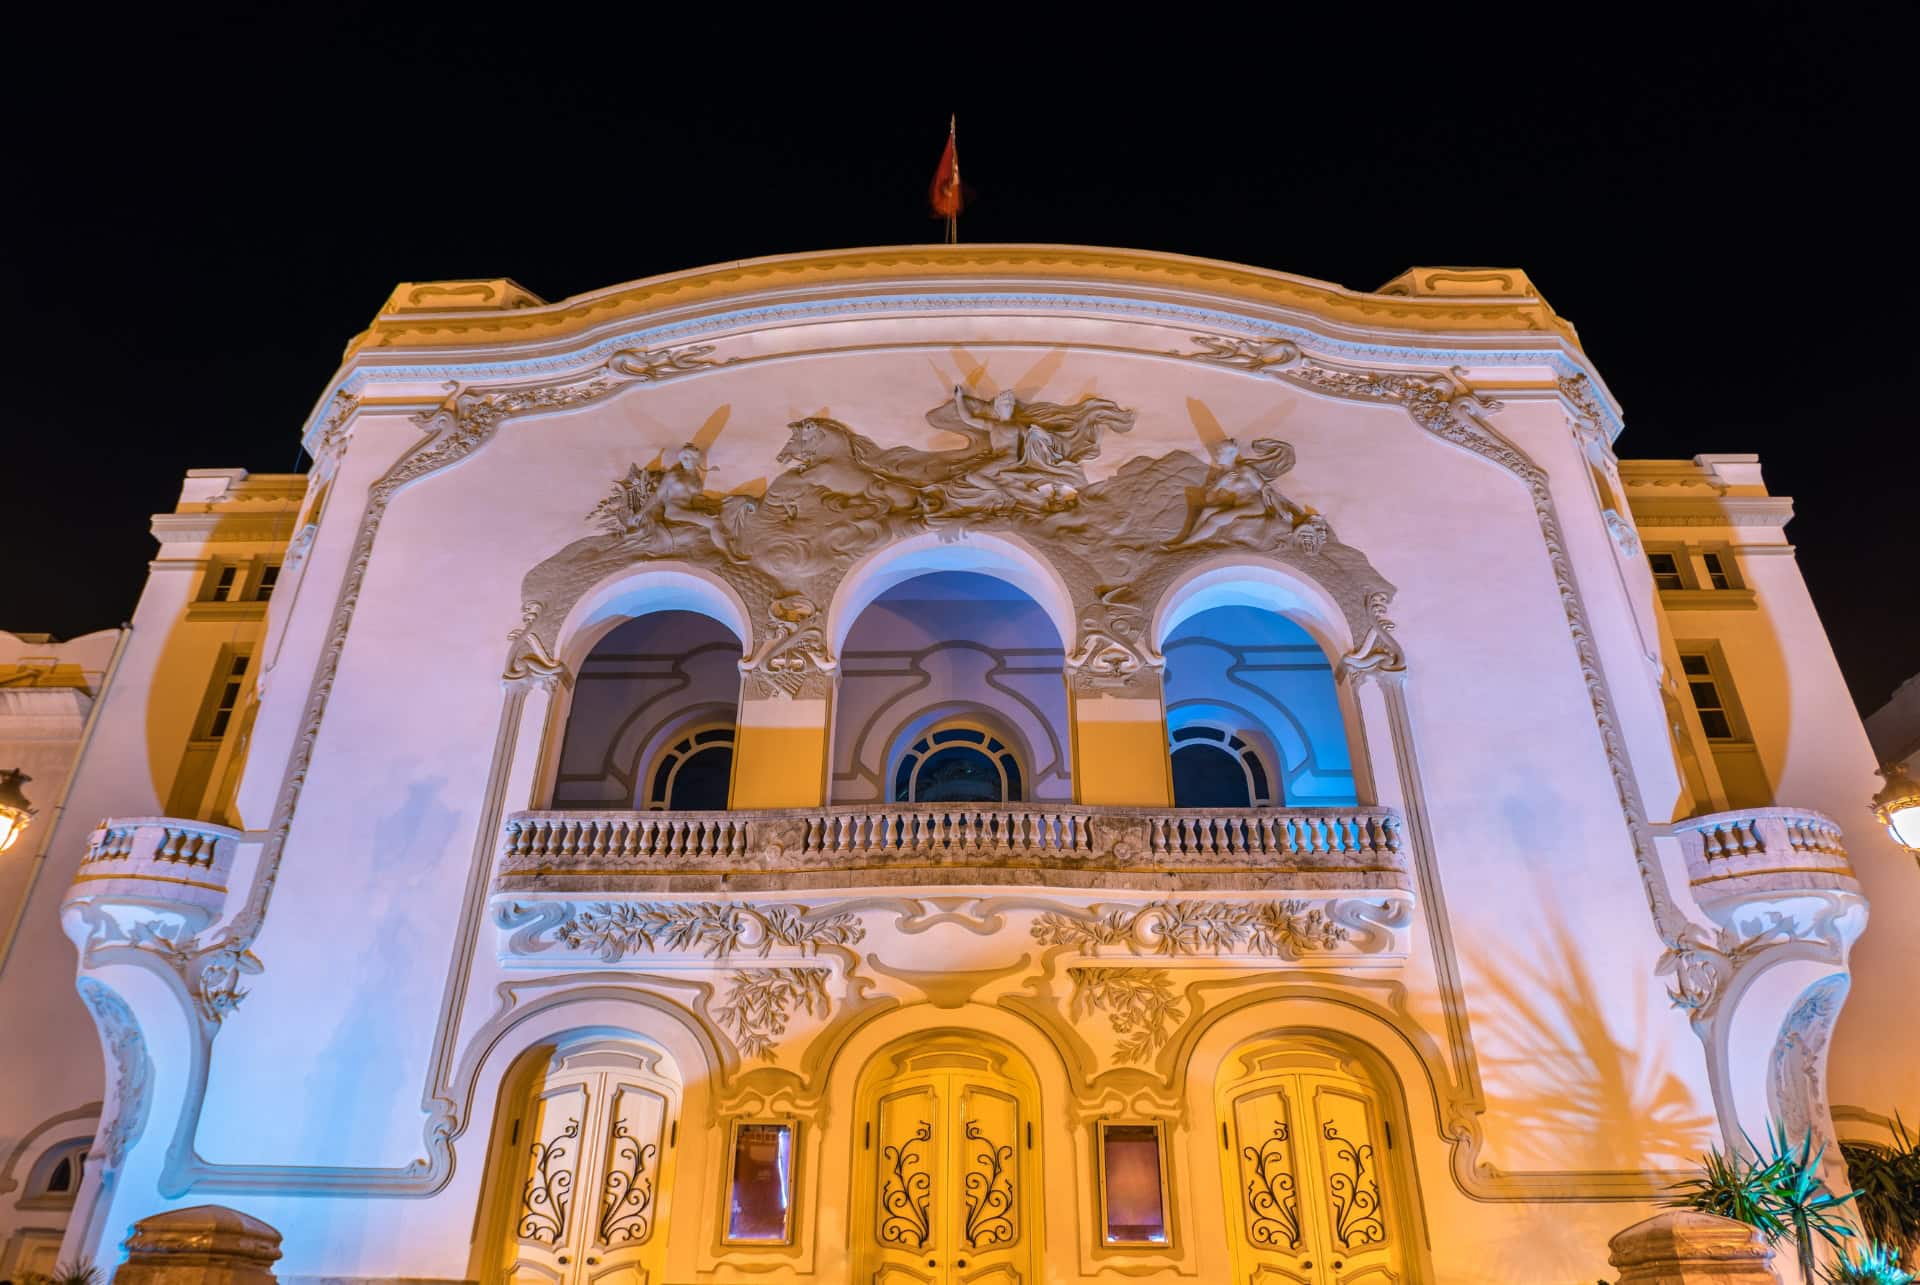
x: 961, y: 764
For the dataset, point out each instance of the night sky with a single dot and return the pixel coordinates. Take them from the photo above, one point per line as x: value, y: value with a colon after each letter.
x: 203, y: 213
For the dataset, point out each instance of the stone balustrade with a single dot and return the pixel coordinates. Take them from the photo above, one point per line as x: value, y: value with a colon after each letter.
x: 1028, y: 844
x: 1735, y: 857
x: 164, y: 863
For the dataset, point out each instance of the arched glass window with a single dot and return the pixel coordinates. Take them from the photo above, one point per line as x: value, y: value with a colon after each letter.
x: 958, y: 763
x: 55, y: 1178
x: 694, y: 773
x: 1215, y: 768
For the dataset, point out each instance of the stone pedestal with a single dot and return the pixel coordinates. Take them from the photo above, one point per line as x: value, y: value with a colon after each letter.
x: 1685, y: 1247
x: 204, y: 1245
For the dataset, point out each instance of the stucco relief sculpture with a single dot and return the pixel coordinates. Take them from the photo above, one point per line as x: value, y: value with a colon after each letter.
x: 1117, y: 543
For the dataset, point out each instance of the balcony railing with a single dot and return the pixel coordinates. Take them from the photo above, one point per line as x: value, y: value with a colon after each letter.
x: 162, y: 862
x: 1763, y: 852
x: 1074, y: 845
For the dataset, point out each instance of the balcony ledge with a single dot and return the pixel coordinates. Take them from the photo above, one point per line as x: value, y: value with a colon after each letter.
x: 1738, y: 859
x: 166, y: 865
x: 926, y: 845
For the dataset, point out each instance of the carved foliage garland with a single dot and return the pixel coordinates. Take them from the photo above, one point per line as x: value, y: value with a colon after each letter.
x: 716, y: 929
x: 1285, y: 929
x: 1139, y: 1004
x: 132, y: 1071
x: 760, y: 1002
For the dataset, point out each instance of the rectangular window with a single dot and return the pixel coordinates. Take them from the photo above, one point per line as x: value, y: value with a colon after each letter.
x: 223, y: 586
x: 1666, y: 571
x: 760, y: 1184
x: 1716, y: 571
x: 228, y: 699
x: 269, y: 574
x: 1133, y: 1199
x: 1705, y: 687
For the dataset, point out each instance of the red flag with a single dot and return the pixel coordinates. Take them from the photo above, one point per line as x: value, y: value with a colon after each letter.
x: 944, y: 194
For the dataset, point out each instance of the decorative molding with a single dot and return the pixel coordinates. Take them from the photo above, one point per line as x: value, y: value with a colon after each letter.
x: 760, y: 1001
x: 1442, y: 404
x: 1139, y: 1003
x: 1116, y: 544
x: 132, y: 1073
x: 1282, y: 929
x: 613, y: 930
x: 232, y: 527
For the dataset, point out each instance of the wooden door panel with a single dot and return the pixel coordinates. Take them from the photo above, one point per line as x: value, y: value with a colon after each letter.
x: 1349, y: 1150
x: 988, y: 1141
x: 632, y: 1147
x: 909, y: 1178
x: 549, y: 1197
x: 1271, y: 1180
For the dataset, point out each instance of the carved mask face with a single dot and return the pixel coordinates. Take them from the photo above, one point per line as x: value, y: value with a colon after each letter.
x: 1226, y: 453
x: 1004, y: 404
x: 691, y: 459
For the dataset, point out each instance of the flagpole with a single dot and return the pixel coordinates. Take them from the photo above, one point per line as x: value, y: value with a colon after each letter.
x: 953, y: 220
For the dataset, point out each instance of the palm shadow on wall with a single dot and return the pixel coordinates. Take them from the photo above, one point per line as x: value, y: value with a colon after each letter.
x: 1570, y: 1091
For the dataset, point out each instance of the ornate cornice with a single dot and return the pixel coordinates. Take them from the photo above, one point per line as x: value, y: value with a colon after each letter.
x: 972, y: 266
x: 1722, y: 510
x: 223, y: 528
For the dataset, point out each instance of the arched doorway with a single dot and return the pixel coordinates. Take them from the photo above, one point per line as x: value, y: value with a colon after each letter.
x: 945, y: 1166
x: 1314, y: 1164
x: 583, y: 1164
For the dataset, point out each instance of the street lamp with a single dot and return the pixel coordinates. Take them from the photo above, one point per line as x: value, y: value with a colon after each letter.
x: 16, y: 813
x: 1898, y: 807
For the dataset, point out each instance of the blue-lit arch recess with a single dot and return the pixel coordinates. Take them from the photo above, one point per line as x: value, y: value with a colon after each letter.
x: 1253, y: 714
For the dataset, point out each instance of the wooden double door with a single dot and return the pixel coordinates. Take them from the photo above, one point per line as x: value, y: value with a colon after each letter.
x: 590, y: 1144
x: 1310, y: 1167
x: 945, y: 1165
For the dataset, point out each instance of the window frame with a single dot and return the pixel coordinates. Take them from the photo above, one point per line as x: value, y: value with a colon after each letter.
x: 792, y: 1125
x: 685, y: 745
x: 1718, y: 674
x: 911, y: 757
x: 1104, y: 1225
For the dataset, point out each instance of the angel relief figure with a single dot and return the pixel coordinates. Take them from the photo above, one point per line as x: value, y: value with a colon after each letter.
x: 1028, y: 453
x: 663, y: 502
x: 1242, y: 486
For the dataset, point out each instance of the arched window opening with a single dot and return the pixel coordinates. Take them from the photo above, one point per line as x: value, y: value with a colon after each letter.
x: 1254, y: 717
x: 958, y: 763
x: 1215, y: 768
x: 951, y: 689
x: 693, y: 774
x: 650, y: 721
x: 54, y: 1181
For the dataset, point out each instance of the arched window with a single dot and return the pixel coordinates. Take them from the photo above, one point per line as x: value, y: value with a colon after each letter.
x: 55, y: 1178
x: 1215, y: 768
x: 693, y: 774
x: 958, y: 763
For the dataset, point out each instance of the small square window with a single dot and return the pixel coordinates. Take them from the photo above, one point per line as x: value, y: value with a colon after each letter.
x: 223, y: 587
x: 269, y: 575
x: 1716, y: 571
x: 1666, y: 571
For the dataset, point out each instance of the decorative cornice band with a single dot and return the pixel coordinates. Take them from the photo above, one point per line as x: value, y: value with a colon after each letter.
x: 912, y: 267
x: 1725, y: 510
x: 469, y: 365
x: 223, y: 528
